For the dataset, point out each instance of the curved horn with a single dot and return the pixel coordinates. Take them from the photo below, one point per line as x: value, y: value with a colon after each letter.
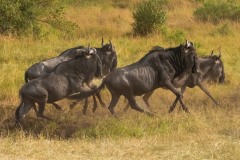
x: 102, y: 42
x: 220, y: 53
x: 211, y: 53
x: 89, y: 48
x: 187, y: 43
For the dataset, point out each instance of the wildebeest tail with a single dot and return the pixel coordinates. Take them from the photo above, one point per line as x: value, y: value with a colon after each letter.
x: 26, y: 77
x: 85, y: 94
x: 17, y: 114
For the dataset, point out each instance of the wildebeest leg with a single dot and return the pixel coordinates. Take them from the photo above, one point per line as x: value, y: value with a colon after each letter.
x: 41, y: 111
x: 178, y: 94
x: 35, y: 109
x: 133, y: 104
x: 100, y: 100
x: 114, y: 100
x: 126, y: 107
x: 183, y: 106
x: 94, y: 104
x: 206, y: 91
x: 85, y: 106
x: 74, y: 104
x: 22, y: 109
x: 57, y: 106
x: 145, y: 99
x: 172, y: 107
x: 179, y: 98
x: 183, y: 88
x: 92, y: 86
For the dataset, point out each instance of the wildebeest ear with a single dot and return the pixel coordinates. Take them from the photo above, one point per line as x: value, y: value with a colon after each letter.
x: 189, y: 44
x: 211, y: 53
x: 102, y: 42
x: 93, y: 51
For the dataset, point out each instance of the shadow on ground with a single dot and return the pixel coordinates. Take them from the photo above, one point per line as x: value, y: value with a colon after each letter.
x: 66, y: 122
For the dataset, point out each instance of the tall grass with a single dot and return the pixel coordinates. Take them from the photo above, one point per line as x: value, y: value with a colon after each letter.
x: 209, y: 132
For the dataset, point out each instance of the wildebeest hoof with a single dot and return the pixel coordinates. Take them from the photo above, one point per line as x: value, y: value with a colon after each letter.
x: 125, y: 109
x: 104, y: 105
x: 84, y: 112
x: 94, y: 109
x: 45, y: 117
x: 58, y: 107
x: 170, y: 110
x: 150, y: 114
x: 186, y: 110
x: 72, y: 106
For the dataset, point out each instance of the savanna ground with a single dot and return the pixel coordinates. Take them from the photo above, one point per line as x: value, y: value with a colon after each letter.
x: 209, y: 132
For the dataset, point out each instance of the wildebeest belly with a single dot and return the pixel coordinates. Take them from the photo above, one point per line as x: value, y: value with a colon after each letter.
x: 56, y: 87
x: 59, y: 87
x: 142, y: 79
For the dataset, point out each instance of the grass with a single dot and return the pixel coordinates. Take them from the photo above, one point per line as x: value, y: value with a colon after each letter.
x: 209, y: 132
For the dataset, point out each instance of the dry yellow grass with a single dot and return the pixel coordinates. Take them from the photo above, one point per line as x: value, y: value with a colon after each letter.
x: 214, y: 147
x: 209, y: 132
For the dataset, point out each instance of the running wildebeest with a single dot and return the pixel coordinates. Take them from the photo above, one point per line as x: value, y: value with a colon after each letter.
x: 159, y: 68
x: 45, y: 67
x: 108, y: 56
x: 211, y: 69
x: 67, y: 78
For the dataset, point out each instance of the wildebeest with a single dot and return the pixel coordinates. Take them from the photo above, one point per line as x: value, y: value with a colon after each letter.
x: 67, y: 78
x: 45, y: 67
x: 211, y: 69
x: 108, y: 56
x: 158, y: 68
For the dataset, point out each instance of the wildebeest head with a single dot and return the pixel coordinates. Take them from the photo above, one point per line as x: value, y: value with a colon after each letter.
x: 217, y: 70
x: 108, y: 56
x: 92, y: 53
x: 190, y: 55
